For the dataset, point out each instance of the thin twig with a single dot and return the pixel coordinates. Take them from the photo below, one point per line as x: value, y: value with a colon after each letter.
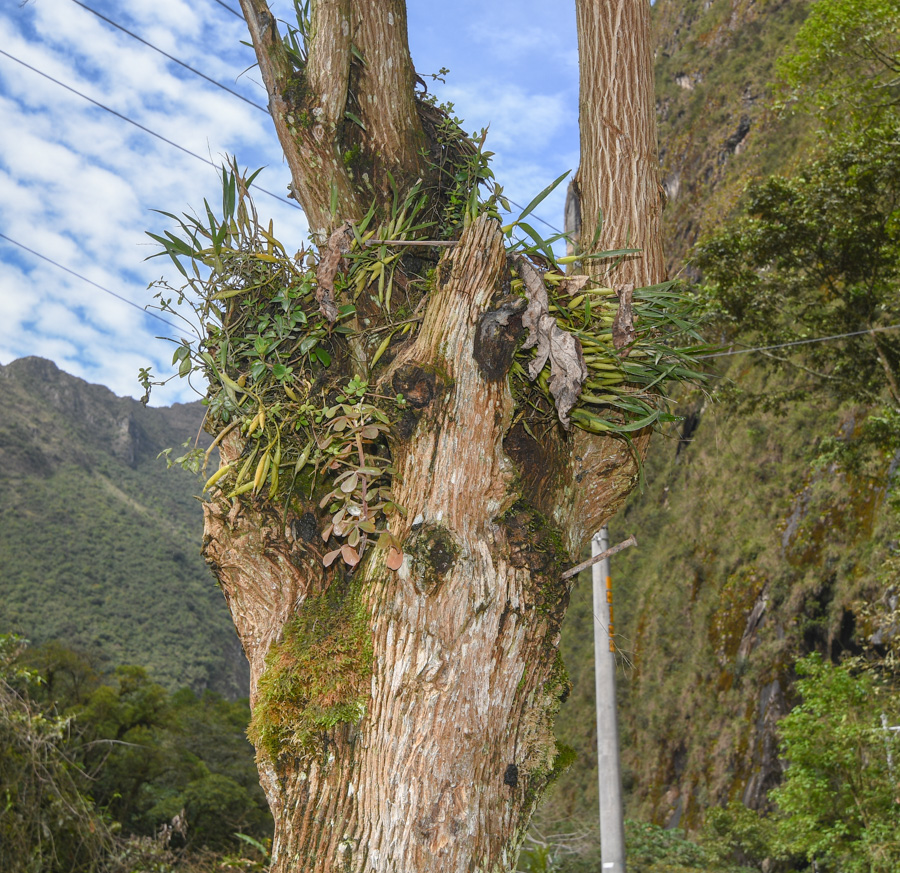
x: 411, y: 242
x: 574, y: 571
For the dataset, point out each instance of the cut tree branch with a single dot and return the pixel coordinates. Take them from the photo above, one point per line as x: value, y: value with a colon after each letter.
x: 596, y: 559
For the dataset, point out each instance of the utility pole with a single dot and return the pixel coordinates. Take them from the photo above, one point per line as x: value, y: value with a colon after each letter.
x: 612, y: 825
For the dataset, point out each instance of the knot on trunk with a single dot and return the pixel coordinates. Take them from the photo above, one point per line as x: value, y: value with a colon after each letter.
x: 433, y: 551
x: 419, y: 384
x: 498, y: 333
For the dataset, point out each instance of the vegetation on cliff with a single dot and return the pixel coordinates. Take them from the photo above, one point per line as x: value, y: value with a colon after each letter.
x: 769, y: 524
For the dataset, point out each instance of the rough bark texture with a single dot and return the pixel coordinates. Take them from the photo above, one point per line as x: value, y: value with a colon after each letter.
x: 619, y: 173
x: 338, y: 167
x: 456, y: 744
x: 454, y: 679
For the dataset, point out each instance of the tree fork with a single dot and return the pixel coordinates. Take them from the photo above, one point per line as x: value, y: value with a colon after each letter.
x: 355, y: 48
x: 456, y: 744
x: 453, y: 746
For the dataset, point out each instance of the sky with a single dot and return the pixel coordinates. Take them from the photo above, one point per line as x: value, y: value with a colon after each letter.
x: 78, y: 184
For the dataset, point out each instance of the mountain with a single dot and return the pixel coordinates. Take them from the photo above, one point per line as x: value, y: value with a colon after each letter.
x: 99, y: 542
x: 714, y: 60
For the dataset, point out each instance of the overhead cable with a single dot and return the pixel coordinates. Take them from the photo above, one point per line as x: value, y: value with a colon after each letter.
x: 136, y: 124
x: 90, y: 282
x: 229, y: 90
x: 231, y: 9
x: 188, y: 67
x: 819, y: 339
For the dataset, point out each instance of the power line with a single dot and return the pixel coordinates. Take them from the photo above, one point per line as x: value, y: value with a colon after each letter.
x: 230, y: 9
x: 171, y: 57
x: 820, y: 339
x: 90, y: 282
x: 196, y: 72
x: 135, y: 123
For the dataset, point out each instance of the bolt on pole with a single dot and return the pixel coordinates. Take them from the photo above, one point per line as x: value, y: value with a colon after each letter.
x: 612, y: 825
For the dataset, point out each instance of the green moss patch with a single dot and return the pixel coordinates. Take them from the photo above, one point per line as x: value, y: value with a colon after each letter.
x: 316, y: 676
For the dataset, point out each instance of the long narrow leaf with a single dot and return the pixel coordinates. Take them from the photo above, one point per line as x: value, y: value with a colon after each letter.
x: 542, y: 196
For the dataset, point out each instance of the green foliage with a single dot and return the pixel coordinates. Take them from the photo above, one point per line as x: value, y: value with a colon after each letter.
x: 648, y: 849
x: 737, y: 832
x: 289, y: 345
x: 818, y: 255
x: 845, y: 62
x: 112, y: 568
x: 838, y: 803
x: 47, y: 824
x: 120, y: 756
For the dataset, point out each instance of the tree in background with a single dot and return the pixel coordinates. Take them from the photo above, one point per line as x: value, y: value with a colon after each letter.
x: 840, y: 800
x: 403, y: 480
x: 845, y: 64
x: 93, y: 773
x: 818, y: 254
x: 46, y: 821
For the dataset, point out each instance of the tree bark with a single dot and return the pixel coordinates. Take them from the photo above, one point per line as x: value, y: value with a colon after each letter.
x: 618, y: 178
x: 358, y: 66
x: 433, y: 688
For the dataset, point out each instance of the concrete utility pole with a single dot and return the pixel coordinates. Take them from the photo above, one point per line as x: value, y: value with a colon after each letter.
x: 612, y: 825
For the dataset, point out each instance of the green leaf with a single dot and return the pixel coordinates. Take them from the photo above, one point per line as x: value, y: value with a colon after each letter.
x: 541, y: 197
x: 541, y: 244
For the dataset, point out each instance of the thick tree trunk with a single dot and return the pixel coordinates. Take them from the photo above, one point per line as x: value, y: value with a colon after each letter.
x: 403, y: 719
x: 619, y: 174
x: 455, y: 746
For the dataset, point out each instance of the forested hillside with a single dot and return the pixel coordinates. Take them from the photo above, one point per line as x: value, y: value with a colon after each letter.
x: 99, y: 544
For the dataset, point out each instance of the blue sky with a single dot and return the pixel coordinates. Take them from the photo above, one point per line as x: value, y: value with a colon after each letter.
x: 78, y: 184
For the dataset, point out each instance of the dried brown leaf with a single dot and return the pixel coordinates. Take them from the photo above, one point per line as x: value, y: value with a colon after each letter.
x: 538, y: 304
x: 329, y: 263
x: 563, y: 349
x: 330, y: 557
x: 567, y: 371
x: 571, y: 285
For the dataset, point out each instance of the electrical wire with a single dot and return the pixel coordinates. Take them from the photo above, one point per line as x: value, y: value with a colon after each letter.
x: 188, y: 67
x: 90, y: 282
x: 820, y: 339
x: 135, y: 123
x: 230, y: 9
x: 296, y: 206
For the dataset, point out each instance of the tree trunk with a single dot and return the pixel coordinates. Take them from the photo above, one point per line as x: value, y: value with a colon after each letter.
x: 618, y: 179
x: 403, y: 719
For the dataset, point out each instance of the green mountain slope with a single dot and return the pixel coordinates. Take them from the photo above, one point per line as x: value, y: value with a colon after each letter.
x: 753, y: 551
x: 99, y: 543
x: 713, y: 62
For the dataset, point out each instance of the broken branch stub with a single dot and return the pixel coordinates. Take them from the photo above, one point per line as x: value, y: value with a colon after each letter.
x: 563, y: 349
x: 337, y: 246
x: 623, y: 331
